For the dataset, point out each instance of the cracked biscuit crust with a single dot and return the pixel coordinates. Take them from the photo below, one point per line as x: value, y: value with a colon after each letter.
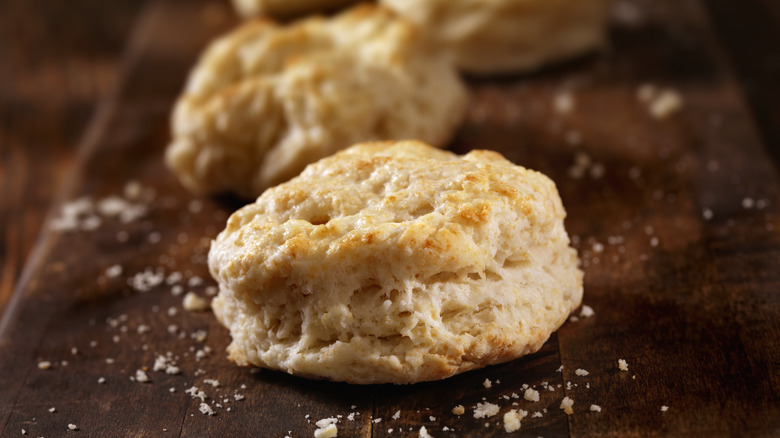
x: 396, y: 262
x: 265, y: 100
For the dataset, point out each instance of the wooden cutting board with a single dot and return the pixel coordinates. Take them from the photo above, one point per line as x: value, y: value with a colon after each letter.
x: 675, y: 219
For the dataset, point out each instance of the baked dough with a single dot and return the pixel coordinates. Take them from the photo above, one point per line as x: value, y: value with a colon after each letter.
x: 287, y: 8
x: 504, y: 36
x: 396, y: 262
x: 265, y: 100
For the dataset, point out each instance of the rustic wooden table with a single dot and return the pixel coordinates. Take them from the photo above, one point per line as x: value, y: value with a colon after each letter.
x: 676, y: 221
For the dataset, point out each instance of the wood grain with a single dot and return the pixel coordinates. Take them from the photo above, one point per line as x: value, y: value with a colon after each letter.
x: 56, y: 61
x: 676, y: 222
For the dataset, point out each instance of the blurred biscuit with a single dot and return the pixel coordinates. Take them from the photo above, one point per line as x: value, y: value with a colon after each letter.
x: 265, y: 100
x: 504, y: 36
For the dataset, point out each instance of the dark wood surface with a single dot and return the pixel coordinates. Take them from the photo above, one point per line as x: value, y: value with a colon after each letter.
x: 676, y: 221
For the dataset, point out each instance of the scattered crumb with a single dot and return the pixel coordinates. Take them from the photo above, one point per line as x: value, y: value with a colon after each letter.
x: 397, y: 414
x: 205, y: 409
x: 458, y: 410
x: 101, y: 380
x: 595, y: 408
x: 512, y: 420
x: 194, y: 303
x: 563, y: 102
x: 72, y: 426
x: 194, y: 392
x: 660, y: 103
x: 623, y: 365
x: 566, y: 405
x: 44, y: 365
x: 586, y: 311
x: 664, y: 408
x: 581, y: 372
x: 487, y: 383
x: 212, y: 382
x: 164, y: 363
x: 483, y: 410
x: 326, y: 428
x: 141, y: 376
x: 531, y: 395
x: 114, y: 271
x: 424, y: 433
x: 665, y: 104
x: 145, y: 280
x: 52, y: 409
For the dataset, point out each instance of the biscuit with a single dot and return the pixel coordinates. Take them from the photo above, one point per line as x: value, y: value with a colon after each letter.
x: 395, y: 262
x: 287, y: 8
x: 504, y: 36
x: 265, y: 100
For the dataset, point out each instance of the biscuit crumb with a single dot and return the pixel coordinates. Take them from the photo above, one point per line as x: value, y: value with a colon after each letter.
x: 72, y: 426
x: 660, y: 103
x: 484, y: 410
x: 205, y: 409
x: 666, y: 104
x: 595, y: 408
x: 114, y: 271
x: 512, y: 420
x: 487, y: 383
x: 141, y: 376
x: 531, y: 395
x: 194, y: 392
x: 586, y: 311
x: 194, y: 303
x: 581, y: 372
x: 622, y: 365
x: 44, y: 365
x: 664, y: 408
x: 458, y: 410
x: 326, y: 428
x: 424, y: 433
x: 563, y: 102
x: 566, y: 405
